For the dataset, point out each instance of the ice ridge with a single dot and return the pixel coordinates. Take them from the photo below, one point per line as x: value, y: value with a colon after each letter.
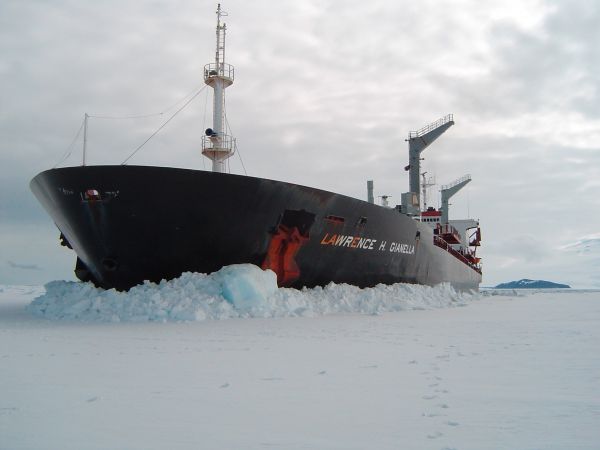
x: 235, y: 291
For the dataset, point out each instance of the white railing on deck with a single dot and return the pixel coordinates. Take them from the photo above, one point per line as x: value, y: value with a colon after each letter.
x: 462, y: 179
x: 432, y: 126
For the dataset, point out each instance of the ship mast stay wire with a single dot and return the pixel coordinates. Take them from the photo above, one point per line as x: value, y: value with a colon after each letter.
x: 194, y: 93
x: 204, y: 124
x: 69, y: 149
x: 163, y: 125
x: 235, y: 142
x: 241, y: 160
x: 143, y: 116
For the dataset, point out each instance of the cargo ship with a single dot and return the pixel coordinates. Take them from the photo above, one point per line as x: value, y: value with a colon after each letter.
x: 128, y: 224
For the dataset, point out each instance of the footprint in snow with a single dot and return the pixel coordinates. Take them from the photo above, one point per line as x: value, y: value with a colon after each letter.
x: 272, y: 379
x: 322, y: 372
x: 374, y: 366
x: 443, y: 406
x: 429, y: 397
x: 223, y: 386
x: 93, y: 399
x: 451, y: 423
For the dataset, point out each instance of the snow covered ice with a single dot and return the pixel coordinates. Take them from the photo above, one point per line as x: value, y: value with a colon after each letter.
x: 393, y: 367
x: 241, y: 290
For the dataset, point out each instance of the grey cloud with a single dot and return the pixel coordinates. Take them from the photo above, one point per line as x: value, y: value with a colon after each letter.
x: 553, y: 67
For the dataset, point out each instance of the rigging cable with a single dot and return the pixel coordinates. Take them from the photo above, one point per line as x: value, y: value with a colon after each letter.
x: 235, y: 141
x: 143, y: 116
x: 468, y: 204
x: 69, y: 149
x: 163, y: 125
x: 204, y: 124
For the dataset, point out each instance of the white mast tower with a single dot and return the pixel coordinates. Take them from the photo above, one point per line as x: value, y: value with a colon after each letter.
x: 216, y: 144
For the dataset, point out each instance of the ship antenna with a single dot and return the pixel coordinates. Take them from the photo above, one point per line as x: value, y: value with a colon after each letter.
x: 216, y: 144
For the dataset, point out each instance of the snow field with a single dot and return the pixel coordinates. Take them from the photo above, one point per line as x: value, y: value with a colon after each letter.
x: 515, y: 370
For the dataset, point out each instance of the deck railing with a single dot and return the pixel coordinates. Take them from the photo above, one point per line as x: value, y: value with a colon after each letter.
x: 221, y: 70
x: 456, y: 182
x: 432, y: 126
x: 444, y: 245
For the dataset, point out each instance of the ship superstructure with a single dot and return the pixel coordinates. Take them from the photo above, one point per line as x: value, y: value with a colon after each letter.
x: 454, y: 236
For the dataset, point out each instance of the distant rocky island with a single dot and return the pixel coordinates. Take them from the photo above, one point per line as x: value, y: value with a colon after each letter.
x: 531, y: 284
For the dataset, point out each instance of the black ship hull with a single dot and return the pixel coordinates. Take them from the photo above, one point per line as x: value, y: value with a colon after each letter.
x: 128, y: 224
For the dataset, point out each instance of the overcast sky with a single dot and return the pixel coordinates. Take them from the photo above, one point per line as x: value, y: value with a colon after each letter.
x: 325, y: 94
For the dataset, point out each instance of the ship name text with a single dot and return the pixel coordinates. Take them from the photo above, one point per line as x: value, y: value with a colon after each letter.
x: 341, y: 240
